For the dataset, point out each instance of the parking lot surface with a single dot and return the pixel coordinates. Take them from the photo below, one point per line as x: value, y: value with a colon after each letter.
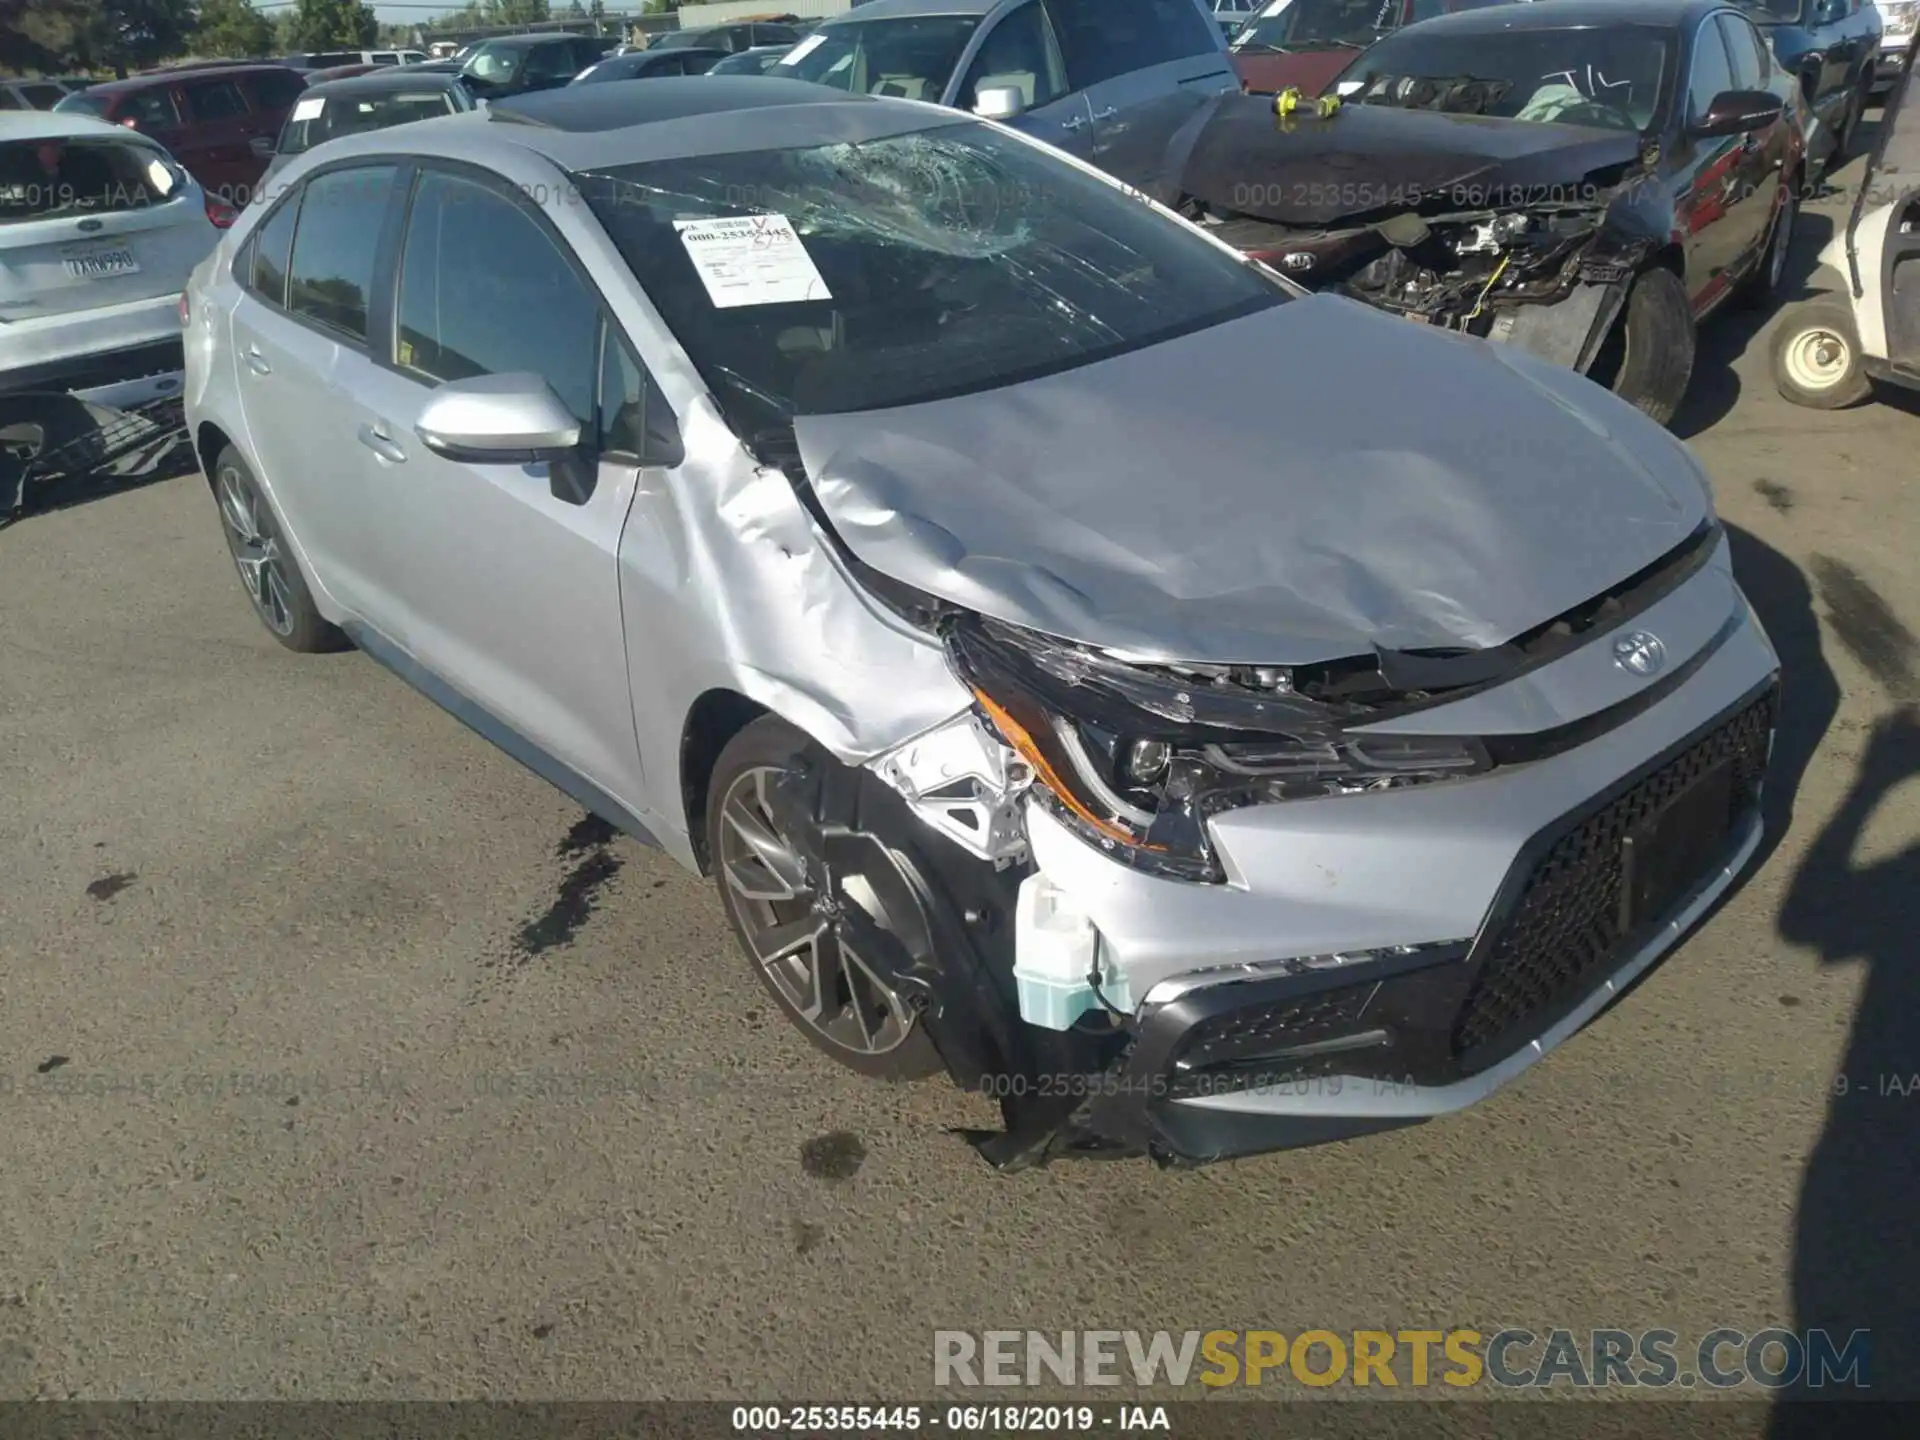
x: 339, y: 1057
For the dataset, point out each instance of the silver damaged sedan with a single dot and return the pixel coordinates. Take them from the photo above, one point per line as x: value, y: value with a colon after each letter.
x: 1205, y: 717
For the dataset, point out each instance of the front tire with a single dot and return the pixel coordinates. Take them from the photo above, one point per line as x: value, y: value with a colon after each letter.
x: 1816, y: 357
x: 1648, y: 360
x: 268, y: 571
x: 791, y: 912
x: 1770, y: 270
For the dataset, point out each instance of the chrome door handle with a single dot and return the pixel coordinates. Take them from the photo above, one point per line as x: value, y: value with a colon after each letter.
x: 1074, y: 124
x: 257, y: 362
x: 381, y: 444
x: 1108, y: 113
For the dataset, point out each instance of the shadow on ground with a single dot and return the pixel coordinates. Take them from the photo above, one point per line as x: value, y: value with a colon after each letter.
x: 1725, y: 336
x: 1856, y: 1254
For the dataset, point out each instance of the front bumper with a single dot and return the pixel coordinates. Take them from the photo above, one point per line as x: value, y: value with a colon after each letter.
x: 1378, y: 960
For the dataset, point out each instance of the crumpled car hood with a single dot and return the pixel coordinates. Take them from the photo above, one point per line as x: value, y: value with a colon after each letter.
x: 1298, y: 485
x: 1378, y: 158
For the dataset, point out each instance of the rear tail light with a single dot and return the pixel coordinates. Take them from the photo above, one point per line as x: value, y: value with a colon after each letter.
x: 186, y: 311
x: 220, y: 212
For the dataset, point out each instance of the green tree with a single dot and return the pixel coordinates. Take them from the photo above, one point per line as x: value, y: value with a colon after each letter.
x: 575, y: 10
x: 119, y: 35
x: 334, y: 24
x: 517, y: 12
x: 232, y: 28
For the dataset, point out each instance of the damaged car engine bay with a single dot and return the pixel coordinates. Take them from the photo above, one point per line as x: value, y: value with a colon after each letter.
x: 1452, y: 251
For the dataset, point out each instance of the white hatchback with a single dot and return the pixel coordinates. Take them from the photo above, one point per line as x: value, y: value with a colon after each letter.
x: 99, y: 229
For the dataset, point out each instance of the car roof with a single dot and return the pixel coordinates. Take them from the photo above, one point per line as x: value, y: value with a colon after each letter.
x: 523, y: 42
x: 598, y: 109
x: 54, y: 125
x: 386, y: 78
x: 591, y: 127
x: 173, y: 77
x: 889, y: 9
x: 1572, y: 14
x: 678, y: 51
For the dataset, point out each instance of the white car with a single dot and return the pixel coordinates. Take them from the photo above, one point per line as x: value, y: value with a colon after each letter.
x: 99, y: 229
x: 1896, y: 40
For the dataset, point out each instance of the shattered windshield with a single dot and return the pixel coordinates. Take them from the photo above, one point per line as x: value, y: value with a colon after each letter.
x: 1614, y: 77
x: 862, y: 276
x: 911, y: 57
x: 1289, y: 25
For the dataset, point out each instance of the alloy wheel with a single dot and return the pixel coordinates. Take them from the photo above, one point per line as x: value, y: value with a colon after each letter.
x: 256, y: 548
x: 794, y: 921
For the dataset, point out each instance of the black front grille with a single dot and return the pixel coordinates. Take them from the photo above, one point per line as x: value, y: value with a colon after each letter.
x: 1564, y: 931
x: 1246, y: 1034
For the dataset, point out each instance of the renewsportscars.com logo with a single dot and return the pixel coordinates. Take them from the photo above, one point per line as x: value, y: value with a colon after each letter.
x: 1722, y: 1359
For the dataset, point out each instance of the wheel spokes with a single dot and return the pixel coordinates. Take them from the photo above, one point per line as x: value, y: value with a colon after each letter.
x: 765, y: 866
x: 794, y: 924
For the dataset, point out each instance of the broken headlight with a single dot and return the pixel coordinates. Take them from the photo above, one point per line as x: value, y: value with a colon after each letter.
x: 1136, y: 762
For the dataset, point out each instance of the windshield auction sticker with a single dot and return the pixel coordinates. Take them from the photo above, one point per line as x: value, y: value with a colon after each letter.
x: 751, y: 260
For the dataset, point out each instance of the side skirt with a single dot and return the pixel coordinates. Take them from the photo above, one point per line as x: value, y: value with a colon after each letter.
x: 497, y: 732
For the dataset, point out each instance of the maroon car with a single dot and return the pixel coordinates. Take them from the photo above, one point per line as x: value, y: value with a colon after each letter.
x: 1303, y: 44
x: 220, y: 122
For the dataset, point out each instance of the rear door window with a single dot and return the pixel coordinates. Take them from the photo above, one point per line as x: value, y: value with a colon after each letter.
x: 1104, y: 38
x: 215, y: 100
x: 551, y: 62
x: 42, y: 97
x: 275, y: 90
x: 330, y: 275
x: 9, y: 100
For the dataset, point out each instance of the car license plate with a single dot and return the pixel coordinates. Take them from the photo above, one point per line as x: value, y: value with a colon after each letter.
x: 101, y: 264
x: 1663, y: 860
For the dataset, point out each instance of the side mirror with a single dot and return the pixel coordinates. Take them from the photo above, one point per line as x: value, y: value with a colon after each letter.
x: 999, y: 102
x: 1735, y: 111
x: 511, y: 419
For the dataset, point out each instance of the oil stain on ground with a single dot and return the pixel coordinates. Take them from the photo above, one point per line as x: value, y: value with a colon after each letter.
x: 837, y: 1155
x: 1867, y: 626
x: 1775, y: 494
x: 108, y: 886
x: 589, y: 845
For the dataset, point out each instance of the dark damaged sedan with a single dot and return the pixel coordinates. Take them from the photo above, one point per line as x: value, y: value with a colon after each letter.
x: 1583, y: 178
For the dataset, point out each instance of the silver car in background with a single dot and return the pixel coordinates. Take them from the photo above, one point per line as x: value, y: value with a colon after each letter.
x: 99, y: 228
x: 907, y: 526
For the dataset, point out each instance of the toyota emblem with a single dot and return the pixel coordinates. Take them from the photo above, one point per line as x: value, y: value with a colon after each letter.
x: 1640, y: 653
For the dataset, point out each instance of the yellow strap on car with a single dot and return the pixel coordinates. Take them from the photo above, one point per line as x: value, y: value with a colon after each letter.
x: 1290, y: 99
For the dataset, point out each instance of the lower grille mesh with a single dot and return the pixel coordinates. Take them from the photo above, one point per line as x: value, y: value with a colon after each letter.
x: 1564, y: 933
